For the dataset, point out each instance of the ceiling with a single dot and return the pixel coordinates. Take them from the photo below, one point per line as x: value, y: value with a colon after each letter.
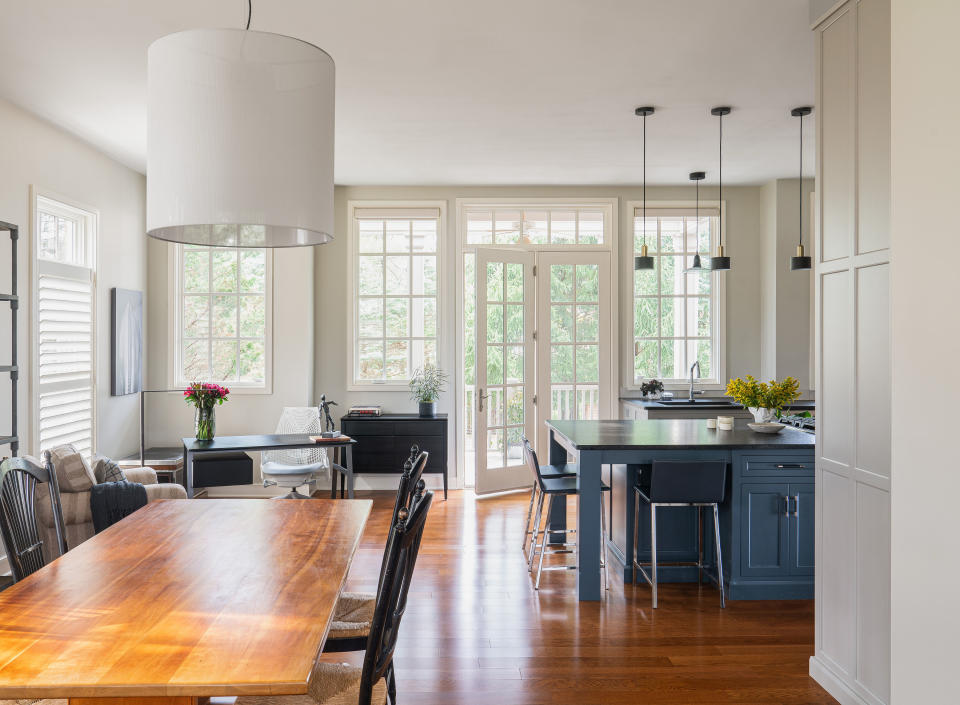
x: 457, y: 92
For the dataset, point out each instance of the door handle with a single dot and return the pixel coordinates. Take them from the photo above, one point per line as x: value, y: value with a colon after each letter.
x: 480, y: 397
x: 796, y: 505
x: 786, y: 505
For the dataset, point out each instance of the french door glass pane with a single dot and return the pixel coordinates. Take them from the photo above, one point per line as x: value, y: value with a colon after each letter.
x: 561, y: 323
x: 561, y: 282
x: 588, y: 282
x: 495, y: 448
x: 494, y: 281
x: 494, y: 323
x: 588, y: 323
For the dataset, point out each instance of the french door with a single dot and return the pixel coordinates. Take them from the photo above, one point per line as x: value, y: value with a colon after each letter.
x: 505, y: 367
x: 543, y: 352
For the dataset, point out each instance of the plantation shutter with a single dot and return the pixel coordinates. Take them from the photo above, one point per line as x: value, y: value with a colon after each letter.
x: 65, y: 316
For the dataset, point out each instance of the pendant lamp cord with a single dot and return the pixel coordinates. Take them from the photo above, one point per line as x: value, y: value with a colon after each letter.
x: 249, y: 12
x: 721, y: 182
x: 644, y: 179
x: 698, y: 218
x: 800, y: 186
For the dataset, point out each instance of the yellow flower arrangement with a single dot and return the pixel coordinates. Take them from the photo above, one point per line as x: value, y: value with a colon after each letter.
x: 764, y: 395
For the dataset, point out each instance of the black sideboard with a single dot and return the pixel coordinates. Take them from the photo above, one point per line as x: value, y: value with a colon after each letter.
x: 383, y: 442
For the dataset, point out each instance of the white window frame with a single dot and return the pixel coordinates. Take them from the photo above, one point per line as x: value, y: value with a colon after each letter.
x: 718, y: 293
x: 611, y: 244
x: 175, y: 326
x: 352, y: 338
x: 70, y: 208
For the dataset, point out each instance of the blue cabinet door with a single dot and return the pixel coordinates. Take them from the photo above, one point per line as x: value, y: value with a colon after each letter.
x: 764, y: 529
x: 801, y: 528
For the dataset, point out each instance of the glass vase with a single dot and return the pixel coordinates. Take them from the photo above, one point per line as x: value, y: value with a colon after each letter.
x: 205, y: 423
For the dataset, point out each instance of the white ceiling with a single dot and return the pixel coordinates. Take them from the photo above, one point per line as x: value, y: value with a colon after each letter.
x: 463, y: 92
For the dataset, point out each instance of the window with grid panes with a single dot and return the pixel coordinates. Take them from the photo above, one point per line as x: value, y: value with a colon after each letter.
x: 224, y: 316
x: 396, y: 285
x: 674, y: 312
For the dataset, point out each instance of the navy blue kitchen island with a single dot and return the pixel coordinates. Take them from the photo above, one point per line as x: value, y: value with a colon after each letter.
x: 766, y: 520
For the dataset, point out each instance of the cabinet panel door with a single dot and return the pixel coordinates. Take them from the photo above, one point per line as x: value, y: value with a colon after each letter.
x: 802, y: 528
x: 764, y: 545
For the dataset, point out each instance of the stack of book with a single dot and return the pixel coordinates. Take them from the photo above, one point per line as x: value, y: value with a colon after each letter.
x: 364, y: 411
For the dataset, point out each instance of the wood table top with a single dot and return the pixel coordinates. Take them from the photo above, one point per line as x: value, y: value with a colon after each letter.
x: 675, y: 434
x: 183, y: 597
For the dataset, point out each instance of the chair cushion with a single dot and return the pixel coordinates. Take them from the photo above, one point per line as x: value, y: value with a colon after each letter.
x: 567, y: 470
x: 106, y: 470
x: 73, y: 471
x: 271, y: 468
x: 330, y: 684
x: 145, y: 476
x: 566, y: 485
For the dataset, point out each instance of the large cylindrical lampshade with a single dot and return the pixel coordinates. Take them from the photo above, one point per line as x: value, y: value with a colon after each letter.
x: 239, y: 140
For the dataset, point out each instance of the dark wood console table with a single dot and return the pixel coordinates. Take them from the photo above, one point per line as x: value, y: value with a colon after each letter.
x: 383, y: 442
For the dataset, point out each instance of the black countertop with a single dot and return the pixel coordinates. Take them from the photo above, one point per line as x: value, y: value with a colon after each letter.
x: 711, y: 403
x: 674, y: 434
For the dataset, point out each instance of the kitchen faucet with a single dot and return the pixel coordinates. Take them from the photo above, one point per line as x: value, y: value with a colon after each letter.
x: 696, y: 363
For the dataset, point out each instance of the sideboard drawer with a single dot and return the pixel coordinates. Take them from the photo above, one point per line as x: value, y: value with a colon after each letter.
x: 367, y: 427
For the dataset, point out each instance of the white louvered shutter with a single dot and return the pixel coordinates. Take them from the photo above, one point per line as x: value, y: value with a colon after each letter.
x: 65, y: 328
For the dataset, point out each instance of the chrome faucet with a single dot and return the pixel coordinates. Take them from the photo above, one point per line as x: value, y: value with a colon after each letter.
x: 696, y: 363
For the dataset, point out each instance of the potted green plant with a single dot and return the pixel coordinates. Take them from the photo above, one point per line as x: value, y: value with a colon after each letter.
x: 426, y: 386
x: 765, y: 400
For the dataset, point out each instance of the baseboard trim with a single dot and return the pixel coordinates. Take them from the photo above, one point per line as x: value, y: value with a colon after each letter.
x: 830, y: 682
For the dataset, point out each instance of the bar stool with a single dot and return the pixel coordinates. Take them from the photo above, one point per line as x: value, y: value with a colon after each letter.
x: 548, y: 471
x: 680, y: 483
x: 551, y: 487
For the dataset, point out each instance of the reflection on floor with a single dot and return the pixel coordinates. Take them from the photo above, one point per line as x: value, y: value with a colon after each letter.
x: 476, y: 633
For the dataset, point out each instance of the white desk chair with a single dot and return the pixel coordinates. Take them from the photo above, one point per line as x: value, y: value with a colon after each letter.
x: 293, y: 468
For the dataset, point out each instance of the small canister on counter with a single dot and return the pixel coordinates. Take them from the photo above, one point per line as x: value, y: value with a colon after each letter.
x: 725, y: 423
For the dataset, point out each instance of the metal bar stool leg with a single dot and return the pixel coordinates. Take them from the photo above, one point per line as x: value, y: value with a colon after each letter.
x: 543, y: 542
x: 716, y: 532
x: 699, y: 546
x: 653, y: 551
x: 526, y: 529
x: 636, y: 535
x: 536, y: 531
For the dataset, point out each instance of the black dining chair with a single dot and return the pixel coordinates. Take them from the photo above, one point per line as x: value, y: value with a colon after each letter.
x: 18, y: 516
x: 354, y: 611
x: 680, y: 483
x: 547, y: 471
x: 373, y: 682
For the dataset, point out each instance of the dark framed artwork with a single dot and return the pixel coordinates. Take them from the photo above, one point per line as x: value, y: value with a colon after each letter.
x: 126, y: 341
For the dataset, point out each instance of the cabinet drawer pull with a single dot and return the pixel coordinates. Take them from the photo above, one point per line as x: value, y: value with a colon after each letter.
x: 796, y: 504
x: 786, y: 505
x: 783, y: 466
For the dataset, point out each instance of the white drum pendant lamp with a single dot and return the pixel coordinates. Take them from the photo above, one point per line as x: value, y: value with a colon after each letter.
x: 239, y: 140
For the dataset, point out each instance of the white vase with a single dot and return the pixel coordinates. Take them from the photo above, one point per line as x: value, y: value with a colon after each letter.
x: 762, y: 414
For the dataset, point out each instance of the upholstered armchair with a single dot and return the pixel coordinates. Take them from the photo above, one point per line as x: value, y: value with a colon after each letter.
x: 76, y: 477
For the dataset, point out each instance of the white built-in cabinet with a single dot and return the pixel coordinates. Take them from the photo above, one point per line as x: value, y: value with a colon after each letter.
x: 852, y: 658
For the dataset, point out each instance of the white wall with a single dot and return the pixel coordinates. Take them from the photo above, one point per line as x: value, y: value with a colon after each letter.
x: 742, y: 239
x: 785, y: 294
x: 926, y: 336
x: 168, y: 418
x: 34, y: 153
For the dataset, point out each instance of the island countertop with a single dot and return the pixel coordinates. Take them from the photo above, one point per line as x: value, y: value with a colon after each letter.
x: 675, y: 434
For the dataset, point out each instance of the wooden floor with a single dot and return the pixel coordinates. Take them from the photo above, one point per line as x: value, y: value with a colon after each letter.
x: 476, y: 632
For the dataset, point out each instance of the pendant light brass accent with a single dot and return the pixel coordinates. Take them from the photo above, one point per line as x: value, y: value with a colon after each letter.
x: 800, y: 261
x: 720, y: 262
x: 643, y: 260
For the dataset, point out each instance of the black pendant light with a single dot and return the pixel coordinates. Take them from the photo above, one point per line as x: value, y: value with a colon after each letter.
x: 696, y: 177
x: 720, y: 262
x: 800, y: 261
x: 643, y: 260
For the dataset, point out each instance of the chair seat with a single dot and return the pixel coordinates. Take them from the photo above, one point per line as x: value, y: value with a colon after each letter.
x: 566, y: 485
x: 352, y: 615
x: 330, y: 684
x: 566, y: 470
x: 271, y: 468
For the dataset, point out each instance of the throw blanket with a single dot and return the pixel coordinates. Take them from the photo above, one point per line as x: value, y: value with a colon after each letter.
x: 112, y: 501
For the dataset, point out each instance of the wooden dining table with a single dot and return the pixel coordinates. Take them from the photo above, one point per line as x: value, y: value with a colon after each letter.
x: 183, y: 599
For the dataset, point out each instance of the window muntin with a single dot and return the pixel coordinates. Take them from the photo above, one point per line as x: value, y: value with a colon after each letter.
x: 675, y: 313
x: 396, y: 293
x: 224, y: 316
x: 535, y: 225
x: 65, y: 325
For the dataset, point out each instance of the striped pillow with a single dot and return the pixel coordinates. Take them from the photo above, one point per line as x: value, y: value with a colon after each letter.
x: 73, y: 472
